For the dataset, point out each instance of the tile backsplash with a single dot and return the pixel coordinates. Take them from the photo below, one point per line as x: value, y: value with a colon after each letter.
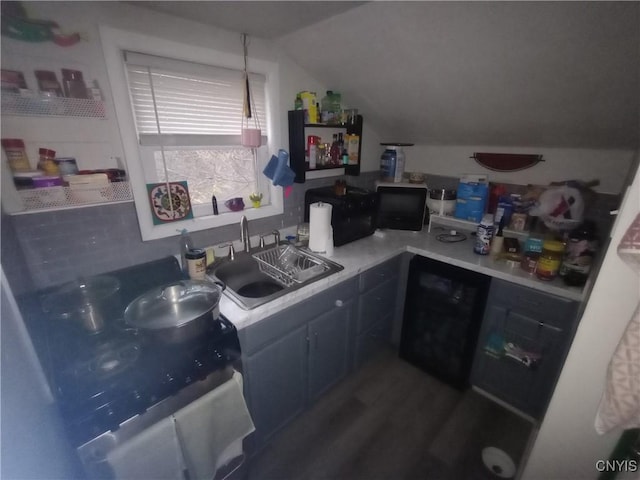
x: 58, y: 246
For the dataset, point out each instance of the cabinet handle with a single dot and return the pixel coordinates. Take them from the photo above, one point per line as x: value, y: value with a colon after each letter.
x: 339, y: 303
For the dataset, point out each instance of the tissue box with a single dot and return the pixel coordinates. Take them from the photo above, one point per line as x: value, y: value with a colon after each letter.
x: 471, y: 201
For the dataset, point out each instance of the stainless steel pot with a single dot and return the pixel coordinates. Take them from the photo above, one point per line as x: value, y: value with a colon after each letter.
x: 177, y: 312
x: 87, y: 302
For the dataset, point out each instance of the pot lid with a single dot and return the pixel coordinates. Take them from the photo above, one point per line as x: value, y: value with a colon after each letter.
x: 172, y: 305
x: 74, y: 295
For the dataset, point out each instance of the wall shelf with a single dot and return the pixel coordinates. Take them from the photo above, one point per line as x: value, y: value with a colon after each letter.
x: 40, y: 106
x: 298, y: 132
x: 58, y: 198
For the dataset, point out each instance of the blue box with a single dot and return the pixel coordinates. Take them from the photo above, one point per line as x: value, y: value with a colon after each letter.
x: 471, y: 200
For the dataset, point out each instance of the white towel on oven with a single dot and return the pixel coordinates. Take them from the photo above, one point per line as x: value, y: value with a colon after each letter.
x: 211, y: 424
x: 154, y: 453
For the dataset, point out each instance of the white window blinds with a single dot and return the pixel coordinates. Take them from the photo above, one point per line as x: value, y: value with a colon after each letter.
x: 179, y: 103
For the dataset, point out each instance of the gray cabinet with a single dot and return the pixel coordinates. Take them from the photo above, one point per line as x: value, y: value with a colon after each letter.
x: 522, y: 345
x: 380, y: 292
x: 293, y: 357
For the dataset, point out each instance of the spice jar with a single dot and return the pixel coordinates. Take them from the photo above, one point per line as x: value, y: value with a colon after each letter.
x: 550, y: 259
x: 48, y: 83
x: 47, y: 163
x: 196, y: 263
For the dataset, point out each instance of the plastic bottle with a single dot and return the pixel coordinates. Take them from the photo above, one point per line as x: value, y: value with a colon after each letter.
x: 498, y: 241
x: 484, y: 234
x: 186, y: 244
x: 331, y: 108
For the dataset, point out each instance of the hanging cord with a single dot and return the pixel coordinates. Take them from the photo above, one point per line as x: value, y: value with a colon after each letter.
x: 164, y: 160
x: 249, y: 106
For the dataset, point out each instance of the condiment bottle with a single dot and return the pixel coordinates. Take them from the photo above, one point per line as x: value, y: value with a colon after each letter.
x: 196, y: 263
x: 550, y: 259
x: 186, y: 244
x: 498, y: 241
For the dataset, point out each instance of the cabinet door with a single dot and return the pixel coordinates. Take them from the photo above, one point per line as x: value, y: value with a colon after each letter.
x: 525, y: 387
x: 276, y: 380
x: 329, y: 348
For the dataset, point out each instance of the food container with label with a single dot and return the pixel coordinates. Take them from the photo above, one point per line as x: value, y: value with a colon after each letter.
x: 16, y: 154
x: 67, y: 166
x: 24, y: 180
x: 196, y: 263
x: 550, y: 259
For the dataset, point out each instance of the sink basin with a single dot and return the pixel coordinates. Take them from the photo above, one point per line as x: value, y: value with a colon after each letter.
x: 249, y: 286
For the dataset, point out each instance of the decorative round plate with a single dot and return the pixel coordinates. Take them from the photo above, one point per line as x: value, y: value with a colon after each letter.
x: 169, y: 205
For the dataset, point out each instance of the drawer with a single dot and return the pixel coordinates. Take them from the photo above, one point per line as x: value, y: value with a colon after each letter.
x: 541, y: 306
x: 380, y: 273
x: 377, y: 304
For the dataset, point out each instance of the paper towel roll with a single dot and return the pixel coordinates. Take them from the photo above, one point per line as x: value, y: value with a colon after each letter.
x: 319, y: 226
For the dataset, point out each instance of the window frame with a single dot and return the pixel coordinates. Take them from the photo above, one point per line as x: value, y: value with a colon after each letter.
x: 114, y: 43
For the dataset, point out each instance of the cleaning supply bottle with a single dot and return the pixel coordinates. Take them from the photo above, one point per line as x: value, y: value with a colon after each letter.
x: 186, y: 244
x: 484, y: 235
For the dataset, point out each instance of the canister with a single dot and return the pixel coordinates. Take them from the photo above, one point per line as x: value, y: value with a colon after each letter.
x: 392, y: 164
x: 67, y: 166
x: 16, y: 155
x: 484, y: 234
x: 550, y: 259
x: 196, y: 263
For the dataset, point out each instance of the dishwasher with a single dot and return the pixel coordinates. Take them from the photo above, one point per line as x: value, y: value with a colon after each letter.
x: 443, y: 312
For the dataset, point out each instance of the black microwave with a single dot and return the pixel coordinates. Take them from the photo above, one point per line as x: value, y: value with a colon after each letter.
x: 402, y: 206
x: 353, y: 215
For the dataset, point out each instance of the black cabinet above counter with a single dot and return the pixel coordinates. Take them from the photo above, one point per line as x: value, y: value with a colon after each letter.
x: 299, y: 131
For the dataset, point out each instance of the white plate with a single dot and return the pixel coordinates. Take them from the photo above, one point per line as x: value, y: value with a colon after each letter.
x: 498, y: 462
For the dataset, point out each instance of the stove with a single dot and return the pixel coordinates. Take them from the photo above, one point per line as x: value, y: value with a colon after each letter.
x: 105, y: 380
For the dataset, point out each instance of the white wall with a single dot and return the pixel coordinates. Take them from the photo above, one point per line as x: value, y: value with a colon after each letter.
x: 567, y: 445
x: 609, y: 166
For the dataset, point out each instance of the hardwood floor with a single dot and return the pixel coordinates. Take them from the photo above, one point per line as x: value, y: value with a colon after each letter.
x: 390, y: 420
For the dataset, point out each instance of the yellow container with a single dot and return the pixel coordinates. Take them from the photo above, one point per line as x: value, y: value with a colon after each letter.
x: 309, y: 100
x: 550, y: 259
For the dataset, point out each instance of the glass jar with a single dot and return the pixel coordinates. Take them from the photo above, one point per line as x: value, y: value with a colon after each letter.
x: 47, y: 163
x: 550, y: 259
x: 303, y: 234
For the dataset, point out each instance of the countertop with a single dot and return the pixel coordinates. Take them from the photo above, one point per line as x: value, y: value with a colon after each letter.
x: 368, y: 252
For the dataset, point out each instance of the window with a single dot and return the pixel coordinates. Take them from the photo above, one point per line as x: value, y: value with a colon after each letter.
x: 180, y: 112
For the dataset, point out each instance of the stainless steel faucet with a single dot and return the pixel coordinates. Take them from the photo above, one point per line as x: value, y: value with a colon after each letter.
x: 244, y: 234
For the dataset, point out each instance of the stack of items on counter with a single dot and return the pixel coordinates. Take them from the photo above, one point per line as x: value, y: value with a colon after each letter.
x: 559, y: 241
x: 53, y: 173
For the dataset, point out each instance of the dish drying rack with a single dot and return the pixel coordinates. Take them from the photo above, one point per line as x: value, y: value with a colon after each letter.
x: 289, y: 265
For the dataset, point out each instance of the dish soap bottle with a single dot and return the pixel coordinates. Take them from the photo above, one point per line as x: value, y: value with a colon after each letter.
x: 186, y: 244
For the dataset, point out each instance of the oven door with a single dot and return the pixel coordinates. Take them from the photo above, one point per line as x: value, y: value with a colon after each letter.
x: 167, y: 440
x: 401, y: 208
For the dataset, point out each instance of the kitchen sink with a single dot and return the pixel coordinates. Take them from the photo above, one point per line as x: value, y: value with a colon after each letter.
x: 253, y: 279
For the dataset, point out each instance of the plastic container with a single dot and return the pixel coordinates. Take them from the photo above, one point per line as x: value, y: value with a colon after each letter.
x: 550, y: 259
x: 24, y: 180
x: 46, y: 181
x: 331, y: 109
x: 16, y: 155
x: 392, y: 164
x: 67, y: 166
x: 484, y: 234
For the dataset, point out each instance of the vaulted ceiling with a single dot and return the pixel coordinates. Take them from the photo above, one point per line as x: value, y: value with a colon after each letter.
x: 561, y: 74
